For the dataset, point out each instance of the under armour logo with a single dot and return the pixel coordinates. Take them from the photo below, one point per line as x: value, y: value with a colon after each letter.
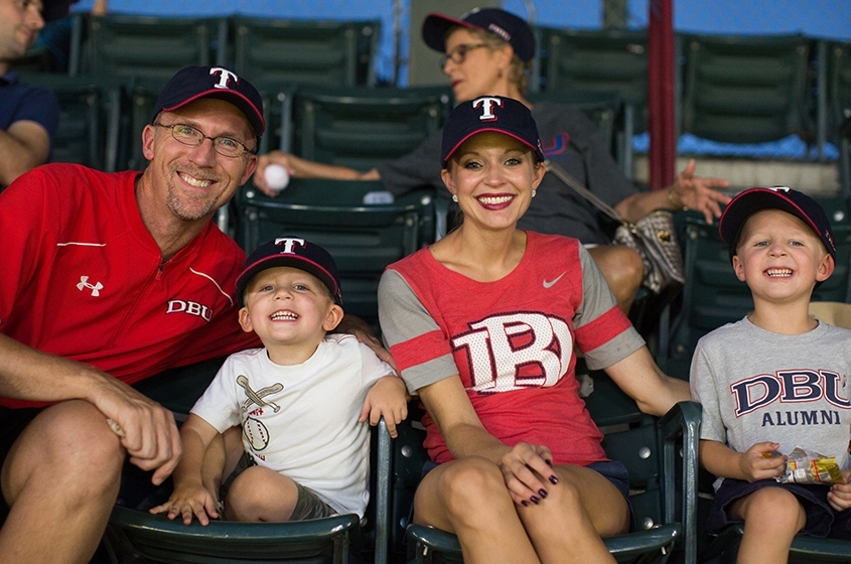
x: 225, y: 76
x: 487, y: 103
x: 84, y: 283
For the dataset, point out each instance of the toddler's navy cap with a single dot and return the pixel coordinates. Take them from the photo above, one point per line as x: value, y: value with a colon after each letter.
x: 294, y: 252
x: 193, y: 83
x: 489, y: 113
x: 509, y: 27
x: 782, y: 198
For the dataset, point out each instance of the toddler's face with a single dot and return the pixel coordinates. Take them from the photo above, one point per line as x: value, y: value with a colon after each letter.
x: 287, y: 305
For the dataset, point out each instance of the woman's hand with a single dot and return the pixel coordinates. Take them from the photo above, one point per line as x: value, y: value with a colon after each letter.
x: 528, y: 472
x: 699, y: 193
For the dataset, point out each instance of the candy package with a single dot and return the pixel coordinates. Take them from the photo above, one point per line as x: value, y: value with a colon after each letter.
x: 808, y: 467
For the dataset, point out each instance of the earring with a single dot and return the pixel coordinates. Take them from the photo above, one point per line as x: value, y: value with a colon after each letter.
x: 534, y: 193
x: 455, y: 198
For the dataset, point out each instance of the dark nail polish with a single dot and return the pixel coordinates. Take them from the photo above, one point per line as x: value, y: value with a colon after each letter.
x: 549, y: 462
x: 554, y: 479
x: 535, y: 500
x: 525, y: 503
x: 543, y: 493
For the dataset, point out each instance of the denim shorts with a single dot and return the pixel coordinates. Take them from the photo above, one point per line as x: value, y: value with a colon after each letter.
x: 822, y: 520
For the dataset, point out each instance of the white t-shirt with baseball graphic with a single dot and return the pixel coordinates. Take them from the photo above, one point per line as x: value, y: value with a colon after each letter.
x: 302, y: 420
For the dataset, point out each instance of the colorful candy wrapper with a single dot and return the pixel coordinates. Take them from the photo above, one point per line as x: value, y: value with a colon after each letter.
x: 808, y: 467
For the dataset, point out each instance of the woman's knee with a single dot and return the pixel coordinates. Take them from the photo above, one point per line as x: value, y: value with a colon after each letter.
x: 470, y: 485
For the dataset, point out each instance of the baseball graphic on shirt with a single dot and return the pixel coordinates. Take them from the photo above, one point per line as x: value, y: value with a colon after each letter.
x: 256, y: 433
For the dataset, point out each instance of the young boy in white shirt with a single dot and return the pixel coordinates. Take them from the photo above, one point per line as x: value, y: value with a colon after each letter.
x: 302, y: 402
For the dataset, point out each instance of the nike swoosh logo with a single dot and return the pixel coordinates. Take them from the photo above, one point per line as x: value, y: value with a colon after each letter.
x: 552, y: 283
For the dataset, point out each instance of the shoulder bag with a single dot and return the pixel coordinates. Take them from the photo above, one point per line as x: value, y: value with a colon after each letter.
x: 653, y: 237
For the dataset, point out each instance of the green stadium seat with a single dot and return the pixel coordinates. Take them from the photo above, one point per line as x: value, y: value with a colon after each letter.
x: 363, y: 127
x: 152, y: 48
x: 838, y: 85
x: 597, y: 60
x: 333, y: 53
x: 660, y: 454
x: 362, y: 237
x: 741, y: 89
x: 90, y: 107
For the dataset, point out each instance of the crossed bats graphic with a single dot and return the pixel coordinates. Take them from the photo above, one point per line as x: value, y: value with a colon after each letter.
x: 257, y: 397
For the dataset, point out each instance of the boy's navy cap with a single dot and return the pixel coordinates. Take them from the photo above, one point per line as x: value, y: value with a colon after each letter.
x: 193, y: 83
x: 294, y: 252
x: 489, y: 113
x: 782, y: 198
x: 509, y: 27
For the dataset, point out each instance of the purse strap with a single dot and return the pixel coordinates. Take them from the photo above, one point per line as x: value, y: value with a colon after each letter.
x: 578, y: 187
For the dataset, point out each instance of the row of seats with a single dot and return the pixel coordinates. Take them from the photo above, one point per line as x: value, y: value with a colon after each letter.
x: 154, y: 48
x: 739, y: 89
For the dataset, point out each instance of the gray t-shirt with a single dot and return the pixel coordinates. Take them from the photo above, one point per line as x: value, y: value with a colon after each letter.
x: 570, y: 139
x: 756, y: 385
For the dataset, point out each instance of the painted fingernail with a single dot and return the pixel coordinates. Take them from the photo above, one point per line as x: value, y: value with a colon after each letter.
x: 525, y: 503
x: 543, y: 493
x: 554, y: 479
x: 549, y: 462
x: 535, y: 500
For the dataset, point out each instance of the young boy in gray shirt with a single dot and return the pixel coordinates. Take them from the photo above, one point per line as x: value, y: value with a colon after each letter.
x: 775, y: 380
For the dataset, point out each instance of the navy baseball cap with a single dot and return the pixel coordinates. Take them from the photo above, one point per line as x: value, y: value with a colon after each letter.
x: 506, y: 25
x: 782, y: 198
x: 193, y: 83
x: 296, y: 253
x: 489, y: 113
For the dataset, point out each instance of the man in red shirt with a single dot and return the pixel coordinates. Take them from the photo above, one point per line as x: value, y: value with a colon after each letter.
x: 108, y: 279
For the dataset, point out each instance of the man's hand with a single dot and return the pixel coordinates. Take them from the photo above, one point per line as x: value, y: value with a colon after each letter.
x: 150, y: 434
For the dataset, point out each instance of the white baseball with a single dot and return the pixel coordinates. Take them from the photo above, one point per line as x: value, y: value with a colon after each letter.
x: 277, y: 177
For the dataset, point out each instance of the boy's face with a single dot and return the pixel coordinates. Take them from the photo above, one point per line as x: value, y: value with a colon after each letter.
x: 288, y: 306
x: 780, y: 257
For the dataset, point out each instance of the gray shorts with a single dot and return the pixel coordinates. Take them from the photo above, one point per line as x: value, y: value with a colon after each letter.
x: 308, y: 505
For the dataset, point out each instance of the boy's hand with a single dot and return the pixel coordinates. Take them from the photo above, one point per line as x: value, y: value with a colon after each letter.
x: 839, y: 496
x: 190, y: 500
x: 762, y: 461
x: 388, y: 398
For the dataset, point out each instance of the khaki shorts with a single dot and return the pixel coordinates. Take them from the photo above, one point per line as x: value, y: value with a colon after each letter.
x: 308, y: 505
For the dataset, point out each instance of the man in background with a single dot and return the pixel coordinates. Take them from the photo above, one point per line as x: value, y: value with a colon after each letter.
x: 29, y: 115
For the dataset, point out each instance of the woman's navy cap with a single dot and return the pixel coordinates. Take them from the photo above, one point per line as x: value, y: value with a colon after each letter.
x: 509, y: 27
x: 489, y: 113
x: 193, y: 83
x: 782, y: 198
x: 296, y: 253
